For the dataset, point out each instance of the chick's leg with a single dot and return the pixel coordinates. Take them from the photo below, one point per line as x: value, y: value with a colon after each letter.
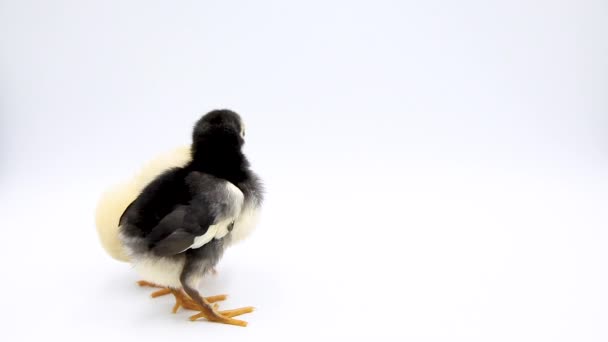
x: 181, y: 299
x: 211, y: 313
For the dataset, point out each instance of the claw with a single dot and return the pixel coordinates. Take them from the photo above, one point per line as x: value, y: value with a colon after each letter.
x: 237, y: 312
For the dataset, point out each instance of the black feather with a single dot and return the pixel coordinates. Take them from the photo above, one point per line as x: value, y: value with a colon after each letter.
x: 182, y: 203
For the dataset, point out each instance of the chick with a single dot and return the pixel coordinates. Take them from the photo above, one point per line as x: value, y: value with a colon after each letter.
x: 178, y: 227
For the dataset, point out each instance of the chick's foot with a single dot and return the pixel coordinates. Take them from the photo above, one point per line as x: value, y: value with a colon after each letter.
x: 211, y: 313
x: 181, y: 299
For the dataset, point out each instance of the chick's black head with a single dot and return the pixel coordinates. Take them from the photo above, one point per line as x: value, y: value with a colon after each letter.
x: 217, y: 142
x: 221, y: 126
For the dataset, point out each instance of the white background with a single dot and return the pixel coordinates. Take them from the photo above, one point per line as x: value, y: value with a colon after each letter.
x: 436, y: 170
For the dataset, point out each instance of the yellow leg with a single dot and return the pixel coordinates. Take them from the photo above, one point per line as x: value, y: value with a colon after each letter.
x: 209, y: 311
x: 181, y: 299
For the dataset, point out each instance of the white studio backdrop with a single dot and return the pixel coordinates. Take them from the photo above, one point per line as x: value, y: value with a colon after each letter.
x: 436, y: 170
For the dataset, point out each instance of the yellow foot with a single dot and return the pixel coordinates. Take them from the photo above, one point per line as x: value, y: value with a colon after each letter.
x: 181, y: 299
x: 211, y: 313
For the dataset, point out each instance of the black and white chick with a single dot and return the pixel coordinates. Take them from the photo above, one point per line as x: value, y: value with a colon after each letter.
x: 178, y: 227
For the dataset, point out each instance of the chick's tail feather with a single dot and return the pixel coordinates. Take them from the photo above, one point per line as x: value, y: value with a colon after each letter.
x: 111, y: 205
x: 116, y: 199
